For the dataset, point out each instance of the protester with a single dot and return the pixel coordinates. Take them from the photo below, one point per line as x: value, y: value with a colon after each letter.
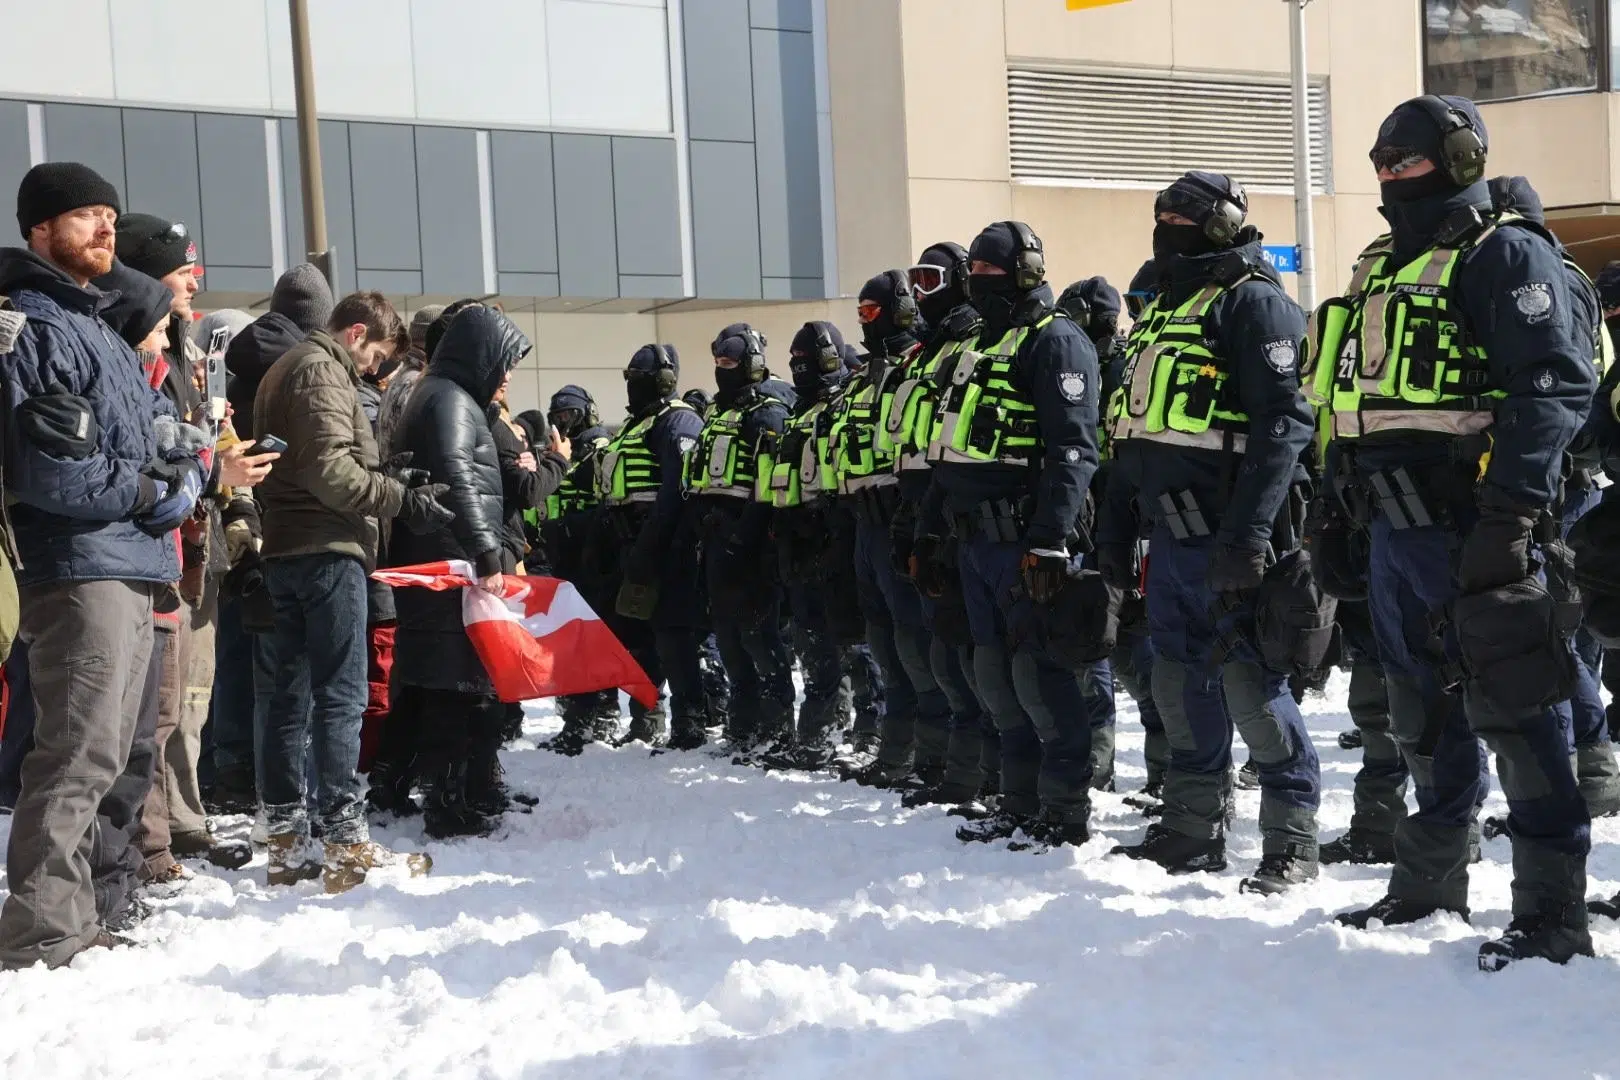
x: 320, y: 541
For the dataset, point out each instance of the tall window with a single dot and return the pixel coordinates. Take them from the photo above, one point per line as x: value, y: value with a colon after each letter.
x: 1489, y: 50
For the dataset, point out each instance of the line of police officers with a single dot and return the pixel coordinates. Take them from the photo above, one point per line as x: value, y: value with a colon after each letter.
x: 1010, y: 504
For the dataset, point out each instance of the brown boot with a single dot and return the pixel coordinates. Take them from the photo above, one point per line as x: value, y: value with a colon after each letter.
x: 292, y: 860
x: 347, y: 864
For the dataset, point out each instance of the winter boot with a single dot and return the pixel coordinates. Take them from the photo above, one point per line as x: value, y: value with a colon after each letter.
x: 1247, y: 776
x: 226, y: 854
x: 1176, y: 852
x: 233, y: 792
x: 938, y: 795
x: 1557, y: 932
x: 648, y: 726
x: 1102, y: 758
x: 390, y: 791
x: 1362, y: 847
x: 1350, y: 740
x: 1001, y: 825
x: 1605, y: 909
x: 1281, y: 870
x: 688, y: 733
x: 292, y: 859
x: 134, y: 912
x: 879, y: 775
x: 446, y: 812
x: 973, y: 809
x: 346, y: 865
x: 1043, y: 834
x: 1394, y: 911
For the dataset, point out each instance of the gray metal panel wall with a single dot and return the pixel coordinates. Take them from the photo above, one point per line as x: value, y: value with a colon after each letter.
x: 91, y: 134
x: 525, y: 203
x: 447, y: 194
x: 160, y: 164
x: 717, y: 77
x: 646, y: 207
x: 334, y: 135
x: 14, y: 163
x: 235, y: 198
x: 780, y: 14
x: 788, y: 152
x: 725, y: 221
x: 586, y: 244
x: 382, y: 168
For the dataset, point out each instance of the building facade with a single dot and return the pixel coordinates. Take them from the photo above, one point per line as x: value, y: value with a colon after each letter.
x: 622, y: 171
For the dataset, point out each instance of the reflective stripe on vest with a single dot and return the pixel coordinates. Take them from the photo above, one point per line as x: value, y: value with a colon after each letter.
x: 1174, y: 390
x: 852, y: 432
x: 906, y: 420
x: 578, y: 491
x: 629, y: 471
x: 981, y: 415
x: 797, y: 469
x: 723, y: 463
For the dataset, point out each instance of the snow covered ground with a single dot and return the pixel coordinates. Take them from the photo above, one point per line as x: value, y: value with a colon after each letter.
x: 676, y: 916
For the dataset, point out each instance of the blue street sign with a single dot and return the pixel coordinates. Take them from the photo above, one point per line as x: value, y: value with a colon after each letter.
x: 1283, y: 259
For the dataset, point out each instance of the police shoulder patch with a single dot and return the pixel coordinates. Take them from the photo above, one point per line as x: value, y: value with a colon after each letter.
x: 1546, y: 380
x: 1072, y: 385
x: 1533, y: 302
x: 685, y: 444
x: 1281, y: 354
x: 1072, y: 455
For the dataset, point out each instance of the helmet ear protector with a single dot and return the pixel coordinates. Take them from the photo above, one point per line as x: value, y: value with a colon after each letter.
x: 665, y: 376
x: 754, y: 343
x: 828, y: 357
x: 1030, y: 268
x: 1227, y: 210
x: 1462, y: 151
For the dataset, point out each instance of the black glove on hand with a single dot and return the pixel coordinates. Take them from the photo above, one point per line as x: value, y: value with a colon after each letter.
x: 1496, y: 550
x: 61, y: 424
x: 395, y: 467
x: 927, y: 568
x: 1236, y: 569
x: 421, y: 512
x: 1044, y: 573
x: 1117, y: 563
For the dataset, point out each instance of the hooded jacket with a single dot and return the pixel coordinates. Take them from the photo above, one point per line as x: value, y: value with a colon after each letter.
x: 249, y: 355
x: 446, y: 429
x: 74, y: 519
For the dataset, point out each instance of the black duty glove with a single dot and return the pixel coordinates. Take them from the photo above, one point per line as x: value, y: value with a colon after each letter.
x: 1117, y: 563
x: 1496, y: 551
x: 902, y: 543
x: 1044, y: 571
x: 61, y: 424
x: 395, y: 467
x: 1339, y: 552
x: 1235, y: 569
x: 246, y: 577
x: 421, y: 512
x: 927, y: 568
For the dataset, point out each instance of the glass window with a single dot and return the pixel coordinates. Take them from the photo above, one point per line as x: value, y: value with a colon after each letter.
x: 1494, y: 49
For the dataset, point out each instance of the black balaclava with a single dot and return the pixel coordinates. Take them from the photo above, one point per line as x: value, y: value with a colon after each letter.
x: 952, y: 258
x: 733, y: 343
x: 1144, y: 286
x: 898, y: 323
x: 1094, y: 305
x: 814, y: 373
x: 997, y: 297
x: 1416, y: 208
x: 1194, y: 197
x: 650, y: 377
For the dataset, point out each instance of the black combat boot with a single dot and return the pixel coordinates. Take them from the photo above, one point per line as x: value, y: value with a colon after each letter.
x: 1362, y: 847
x: 1605, y: 909
x: 1000, y: 825
x: 939, y: 795
x: 1556, y: 932
x: 1350, y: 740
x: 446, y: 812
x: 1151, y: 797
x: 390, y: 790
x: 648, y: 726
x: 1394, y: 911
x: 233, y: 792
x: 1280, y: 871
x: 1043, y: 834
x: 1176, y: 852
x: 1248, y: 776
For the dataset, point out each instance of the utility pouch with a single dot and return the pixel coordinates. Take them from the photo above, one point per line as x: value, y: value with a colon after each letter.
x: 1514, y: 641
x: 1082, y: 624
x: 1294, y: 619
x: 636, y: 601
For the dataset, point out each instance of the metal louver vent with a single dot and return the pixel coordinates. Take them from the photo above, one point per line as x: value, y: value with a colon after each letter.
x: 1127, y: 129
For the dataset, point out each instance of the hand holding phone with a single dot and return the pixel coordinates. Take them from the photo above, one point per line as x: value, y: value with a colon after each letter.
x: 271, y: 444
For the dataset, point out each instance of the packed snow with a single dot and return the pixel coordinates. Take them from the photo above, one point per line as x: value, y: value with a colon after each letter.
x: 676, y: 915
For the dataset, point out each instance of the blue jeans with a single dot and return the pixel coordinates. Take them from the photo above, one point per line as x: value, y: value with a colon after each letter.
x: 317, y: 654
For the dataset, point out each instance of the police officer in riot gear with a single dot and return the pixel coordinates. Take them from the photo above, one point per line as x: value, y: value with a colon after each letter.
x: 739, y: 569
x: 972, y: 756
x: 1207, y: 434
x: 564, y: 527
x: 916, y: 721
x: 1459, y: 366
x: 1014, y: 445
x: 641, y: 480
x: 796, y: 481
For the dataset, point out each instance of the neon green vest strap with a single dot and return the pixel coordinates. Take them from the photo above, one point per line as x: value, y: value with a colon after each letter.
x: 983, y: 416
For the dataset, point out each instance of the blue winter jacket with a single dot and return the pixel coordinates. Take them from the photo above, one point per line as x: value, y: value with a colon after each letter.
x: 74, y: 519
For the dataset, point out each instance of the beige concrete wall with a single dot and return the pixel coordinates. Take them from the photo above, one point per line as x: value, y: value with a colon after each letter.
x: 1563, y: 144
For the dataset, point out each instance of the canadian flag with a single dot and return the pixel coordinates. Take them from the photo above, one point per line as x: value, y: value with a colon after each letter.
x: 539, y: 639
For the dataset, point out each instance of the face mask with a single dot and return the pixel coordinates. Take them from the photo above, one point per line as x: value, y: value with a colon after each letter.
x: 1407, y: 191
x: 993, y: 296
x: 1172, y: 240
x: 730, y: 380
x: 642, y: 390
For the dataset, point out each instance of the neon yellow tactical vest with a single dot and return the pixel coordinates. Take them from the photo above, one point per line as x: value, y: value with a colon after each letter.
x: 723, y: 462
x: 578, y: 491
x: 1175, y: 386
x: 629, y: 471
x: 797, y: 467
x: 981, y: 416
x: 857, y: 461
x: 1390, y: 355
x: 908, y: 402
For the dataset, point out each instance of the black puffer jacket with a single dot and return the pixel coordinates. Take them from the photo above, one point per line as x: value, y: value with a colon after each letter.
x: 445, y: 428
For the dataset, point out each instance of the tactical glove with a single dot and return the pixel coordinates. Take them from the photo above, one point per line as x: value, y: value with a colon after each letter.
x: 1339, y: 553
x: 1044, y: 570
x: 395, y: 467
x: 1236, y: 568
x: 1496, y: 551
x: 421, y: 512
